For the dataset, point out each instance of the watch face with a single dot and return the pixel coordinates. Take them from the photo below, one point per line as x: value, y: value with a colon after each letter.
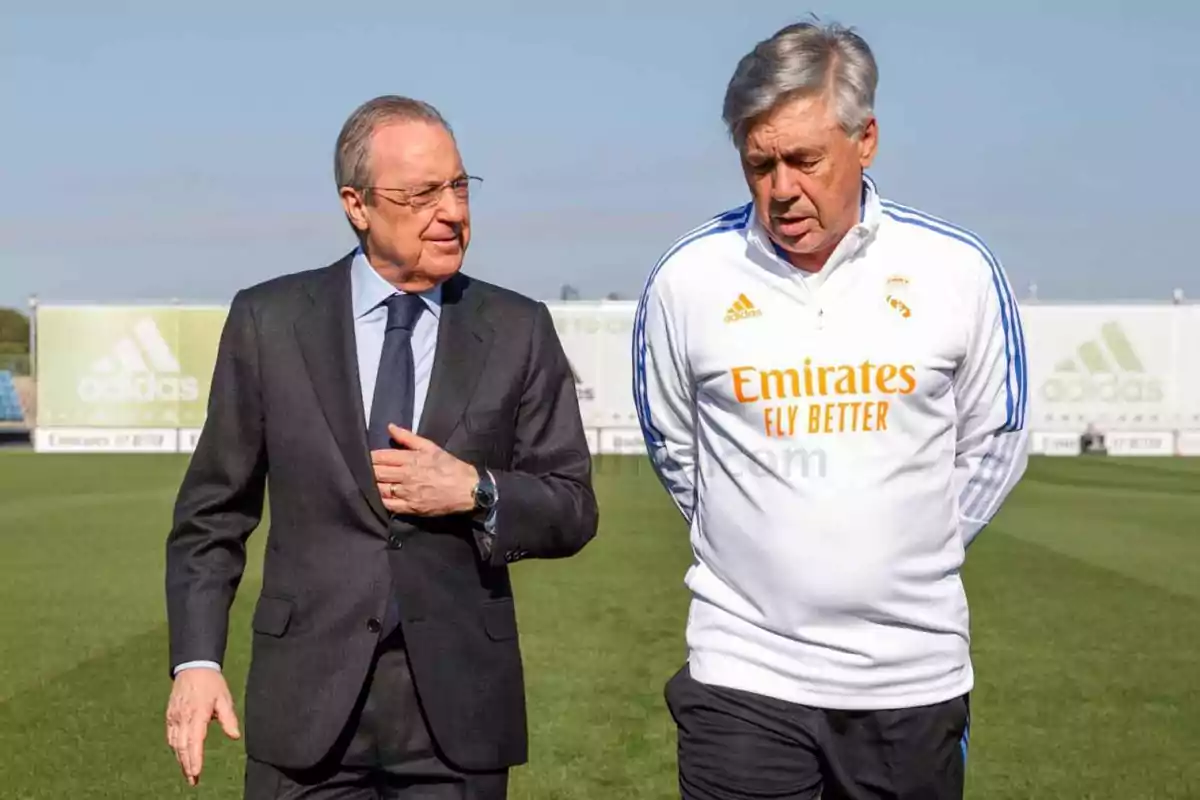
x: 485, y: 492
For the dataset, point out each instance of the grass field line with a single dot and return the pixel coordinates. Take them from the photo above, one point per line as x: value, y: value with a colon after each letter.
x: 99, y: 653
x: 94, y: 655
x: 39, y: 506
x: 1186, y: 494
x: 1122, y: 571
x: 1143, y: 464
x: 95, y: 661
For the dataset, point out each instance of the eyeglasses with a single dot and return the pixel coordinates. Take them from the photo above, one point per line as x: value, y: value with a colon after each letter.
x: 428, y: 194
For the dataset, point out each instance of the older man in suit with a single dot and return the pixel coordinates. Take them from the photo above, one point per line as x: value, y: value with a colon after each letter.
x: 420, y: 432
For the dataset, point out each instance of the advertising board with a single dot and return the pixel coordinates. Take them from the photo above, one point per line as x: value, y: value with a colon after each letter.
x: 115, y: 368
x: 107, y: 372
x: 1116, y: 367
x: 597, y: 338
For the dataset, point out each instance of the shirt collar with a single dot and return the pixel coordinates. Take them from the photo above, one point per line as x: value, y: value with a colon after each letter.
x: 870, y: 212
x: 368, y: 288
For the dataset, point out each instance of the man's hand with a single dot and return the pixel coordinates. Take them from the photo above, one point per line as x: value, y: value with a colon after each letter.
x: 422, y: 479
x: 199, y: 695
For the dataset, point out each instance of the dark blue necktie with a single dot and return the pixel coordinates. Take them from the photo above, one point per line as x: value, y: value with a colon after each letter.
x: 395, y: 382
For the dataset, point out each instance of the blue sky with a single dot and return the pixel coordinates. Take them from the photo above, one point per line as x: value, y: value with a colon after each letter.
x: 153, y: 151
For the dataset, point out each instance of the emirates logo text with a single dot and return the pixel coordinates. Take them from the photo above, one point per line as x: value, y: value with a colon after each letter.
x: 861, y: 411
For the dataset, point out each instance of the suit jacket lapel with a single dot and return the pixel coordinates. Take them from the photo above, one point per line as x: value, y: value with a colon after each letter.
x: 325, y: 331
x: 464, y: 340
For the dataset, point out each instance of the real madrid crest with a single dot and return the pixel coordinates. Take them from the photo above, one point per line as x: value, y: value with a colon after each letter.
x: 896, y: 295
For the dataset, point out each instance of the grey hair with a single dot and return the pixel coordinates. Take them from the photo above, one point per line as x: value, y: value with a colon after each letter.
x: 803, y: 59
x: 352, y: 156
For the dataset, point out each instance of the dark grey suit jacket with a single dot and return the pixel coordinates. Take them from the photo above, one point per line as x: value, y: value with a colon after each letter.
x: 285, y: 408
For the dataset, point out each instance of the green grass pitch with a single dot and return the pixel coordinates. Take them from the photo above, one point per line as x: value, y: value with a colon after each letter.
x: 1085, y: 599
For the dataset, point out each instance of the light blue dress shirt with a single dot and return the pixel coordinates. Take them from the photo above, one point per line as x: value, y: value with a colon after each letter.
x: 368, y: 291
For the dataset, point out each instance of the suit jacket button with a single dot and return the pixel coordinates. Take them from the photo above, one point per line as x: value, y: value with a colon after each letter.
x: 395, y: 542
x: 374, y: 625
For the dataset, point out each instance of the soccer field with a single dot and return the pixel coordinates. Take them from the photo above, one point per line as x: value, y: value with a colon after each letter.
x: 1085, y: 597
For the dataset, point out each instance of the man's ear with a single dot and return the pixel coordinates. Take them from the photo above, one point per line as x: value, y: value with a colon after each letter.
x: 868, y: 143
x: 355, y: 205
